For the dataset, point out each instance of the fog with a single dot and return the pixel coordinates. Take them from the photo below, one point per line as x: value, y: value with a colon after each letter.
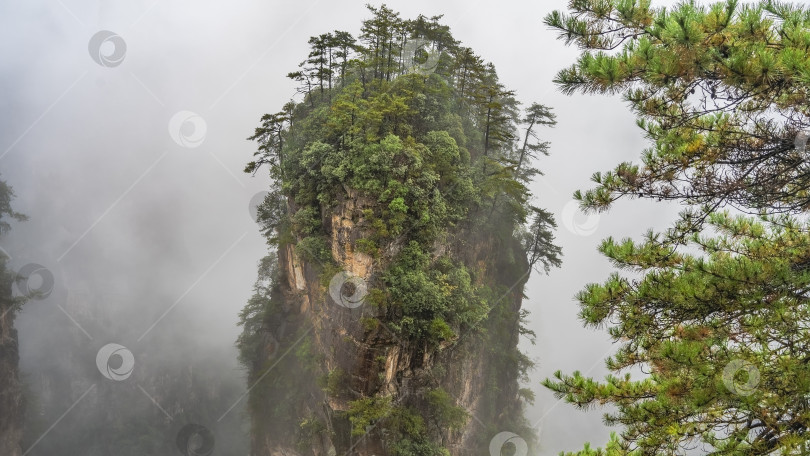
x: 144, y: 221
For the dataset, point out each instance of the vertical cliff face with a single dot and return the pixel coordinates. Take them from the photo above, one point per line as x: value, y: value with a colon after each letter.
x: 459, y: 392
x: 12, y: 405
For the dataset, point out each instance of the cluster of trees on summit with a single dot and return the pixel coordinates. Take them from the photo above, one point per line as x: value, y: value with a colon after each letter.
x: 419, y: 128
x: 434, y: 146
x: 714, y: 310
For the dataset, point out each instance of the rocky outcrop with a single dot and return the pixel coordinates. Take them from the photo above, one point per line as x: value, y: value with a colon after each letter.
x: 371, y: 360
x: 12, y: 404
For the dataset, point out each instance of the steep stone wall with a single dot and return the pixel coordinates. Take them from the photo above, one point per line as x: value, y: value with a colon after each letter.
x: 374, y: 359
x: 12, y: 404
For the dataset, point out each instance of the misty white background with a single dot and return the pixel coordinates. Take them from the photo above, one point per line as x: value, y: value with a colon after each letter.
x: 115, y: 204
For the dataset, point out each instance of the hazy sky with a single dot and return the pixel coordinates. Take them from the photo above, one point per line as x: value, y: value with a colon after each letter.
x: 124, y: 196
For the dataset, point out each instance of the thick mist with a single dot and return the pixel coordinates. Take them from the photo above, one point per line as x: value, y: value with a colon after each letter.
x: 126, y: 150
